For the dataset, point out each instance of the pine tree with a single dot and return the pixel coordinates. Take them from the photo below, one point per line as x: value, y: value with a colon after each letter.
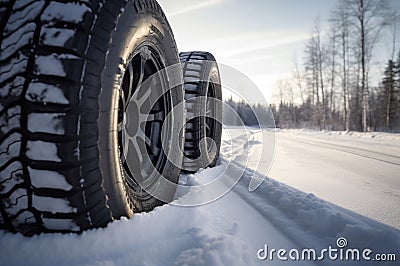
x: 390, y: 91
x: 396, y: 95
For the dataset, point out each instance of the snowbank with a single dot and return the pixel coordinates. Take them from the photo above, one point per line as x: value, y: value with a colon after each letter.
x: 348, y: 134
x: 222, y: 232
x: 308, y: 220
x: 167, y: 236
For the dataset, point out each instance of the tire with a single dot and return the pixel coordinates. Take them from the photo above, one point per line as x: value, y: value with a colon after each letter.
x: 203, y: 96
x: 65, y: 67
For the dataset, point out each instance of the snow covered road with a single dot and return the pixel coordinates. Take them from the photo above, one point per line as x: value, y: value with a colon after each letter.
x: 360, y: 172
x: 232, y: 229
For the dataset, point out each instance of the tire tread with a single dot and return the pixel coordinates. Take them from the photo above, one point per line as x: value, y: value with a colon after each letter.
x: 23, y: 26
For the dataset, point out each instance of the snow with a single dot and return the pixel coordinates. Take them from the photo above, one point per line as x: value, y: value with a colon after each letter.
x: 10, y: 119
x: 193, y: 73
x: 22, y: 3
x: 15, y: 66
x: 10, y: 147
x: 231, y: 229
x: 345, y: 135
x: 42, y: 151
x: 16, y: 201
x: 59, y: 224
x: 191, y: 79
x: 13, y: 88
x: 17, y: 40
x: 52, y: 123
x: 49, y: 65
x: 48, y: 179
x: 52, y: 205
x: 20, y: 18
x: 25, y: 217
x: 353, y: 170
x: 10, y: 176
x: 40, y: 92
x: 56, y: 10
x: 193, y: 67
x: 55, y: 37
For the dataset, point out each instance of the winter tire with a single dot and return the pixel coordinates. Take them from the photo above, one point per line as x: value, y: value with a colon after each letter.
x: 202, y: 85
x: 68, y: 71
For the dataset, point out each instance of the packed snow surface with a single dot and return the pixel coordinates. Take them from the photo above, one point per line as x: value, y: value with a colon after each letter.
x: 357, y: 171
x: 232, y: 229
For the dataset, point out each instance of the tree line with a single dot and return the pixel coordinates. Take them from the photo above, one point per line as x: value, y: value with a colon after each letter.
x: 239, y: 113
x: 333, y: 88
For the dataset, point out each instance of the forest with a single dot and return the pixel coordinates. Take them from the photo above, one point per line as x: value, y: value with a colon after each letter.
x: 332, y: 89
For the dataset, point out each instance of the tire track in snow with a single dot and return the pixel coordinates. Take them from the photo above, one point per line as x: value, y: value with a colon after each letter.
x: 350, y: 150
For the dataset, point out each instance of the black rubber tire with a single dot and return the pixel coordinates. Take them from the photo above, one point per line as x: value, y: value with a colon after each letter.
x: 60, y: 167
x: 201, y: 81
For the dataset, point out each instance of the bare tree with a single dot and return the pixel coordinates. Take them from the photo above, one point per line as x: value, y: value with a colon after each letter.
x: 342, y: 59
x: 312, y: 79
x: 282, y: 93
x: 320, y: 62
x: 314, y: 66
x: 298, y: 78
x: 368, y: 17
x: 340, y: 21
x: 332, y: 52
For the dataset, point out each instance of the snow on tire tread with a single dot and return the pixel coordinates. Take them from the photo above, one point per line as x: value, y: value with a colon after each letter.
x: 35, y: 43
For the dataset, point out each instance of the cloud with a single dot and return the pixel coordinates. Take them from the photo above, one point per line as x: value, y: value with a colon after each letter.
x: 253, y: 43
x: 188, y: 9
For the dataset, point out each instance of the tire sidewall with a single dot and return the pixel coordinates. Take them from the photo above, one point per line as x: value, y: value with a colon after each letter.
x: 133, y: 30
x: 214, y: 78
x: 211, y: 75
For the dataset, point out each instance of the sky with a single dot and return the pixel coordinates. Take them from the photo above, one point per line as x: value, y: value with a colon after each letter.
x: 260, y: 38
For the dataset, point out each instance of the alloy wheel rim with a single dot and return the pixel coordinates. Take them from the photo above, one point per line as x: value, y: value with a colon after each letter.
x: 143, y: 107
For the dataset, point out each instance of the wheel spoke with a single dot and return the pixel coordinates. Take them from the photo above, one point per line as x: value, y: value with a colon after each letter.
x: 154, y: 149
x: 136, y: 163
x: 209, y: 107
x: 156, y: 117
x: 131, y: 80
x: 141, y: 99
x: 120, y: 126
x: 123, y: 98
x: 141, y: 73
x: 138, y: 152
x: 208, y: 112
x: 125, y: 143
x: 208, y: 129
x: 147, y: 96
